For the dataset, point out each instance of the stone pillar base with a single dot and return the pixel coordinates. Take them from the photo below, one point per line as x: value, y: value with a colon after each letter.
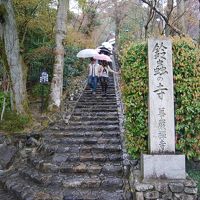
x: 182, y: 189
x: 163, y: 166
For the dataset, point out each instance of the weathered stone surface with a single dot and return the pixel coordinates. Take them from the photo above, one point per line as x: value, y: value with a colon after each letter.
x: 176, y: 187
x: 49, y: 167
x: 66, y: 168
x: 167, y: 196
x: 162, y: 187
x: 110, y: 169
x: 2, y: 138
x: 42, y: 195
x: 60, y: 158
x: 5, y: 196
x: 190, y: 183
x: 105, y: 195
x: 151, y: 195
x: 82, y: 183
x: 86, y: 157
x: 163, y: 166
x: 7, y: 154
x: 94, y: 169
x: 115, y: 182
x: 115, y: 157
x: 81, y: 168
x: 92, y: 183
x: 162, y: 138
x: 103, y: 141
x: 73, y: 183
x: 190, y: 190
x: 139, y: 196
x: 99, y: 157
x: 183, y: 196
x: 143, y: 187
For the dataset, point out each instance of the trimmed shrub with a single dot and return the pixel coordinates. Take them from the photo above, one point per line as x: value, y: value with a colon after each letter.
x: 186, y: 71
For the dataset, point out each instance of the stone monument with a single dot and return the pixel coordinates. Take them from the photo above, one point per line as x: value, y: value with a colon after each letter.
x: 162, y: 162
x: 162, y: 175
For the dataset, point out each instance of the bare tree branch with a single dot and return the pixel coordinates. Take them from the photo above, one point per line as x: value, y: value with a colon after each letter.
x: 179, y: 32
x: 150, y: 17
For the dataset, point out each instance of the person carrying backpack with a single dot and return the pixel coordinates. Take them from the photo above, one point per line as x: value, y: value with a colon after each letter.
x: 104, y: 70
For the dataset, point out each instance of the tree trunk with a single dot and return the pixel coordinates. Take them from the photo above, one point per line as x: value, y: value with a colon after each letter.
x: 168, y: 13
x: 57, y: 81
x: 1, y: 31
x: 14, y: 60
x: 181, y: 15
x: 199, y: 23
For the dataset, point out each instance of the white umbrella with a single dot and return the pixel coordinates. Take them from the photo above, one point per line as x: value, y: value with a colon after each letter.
x: 102, y: 57
x: 112, y: 41
x: 107, y: 45
x: 87, y: 53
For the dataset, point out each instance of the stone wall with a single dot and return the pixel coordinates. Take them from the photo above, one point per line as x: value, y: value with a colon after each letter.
x: 162, y: 189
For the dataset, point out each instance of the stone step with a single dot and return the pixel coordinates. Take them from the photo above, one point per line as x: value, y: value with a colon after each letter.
x: 98, y: 97
x: 82, y: 141
x: 105, y: 170
x: 100, y: 148
x: 70, y: 153
x: 90, y: 168
x: 97, y: 106
x: 93, y: 114
x: 93, y: 194
x: 95, y: 103
x: 25, y: 189
x: 38, y: 177
x: 88, y: 128
x: 89, y: 155
x: 19, y: 187
x: 4, y: 195
x: 110, y: 88
x: 75, y: 134
x: 106, y: 183
x: 92, y: 118
x: 85, y: 153
x: 78, y: 188
x: 77, y: 176
x: 99, y: 91
x: 93, y: 123
x: 95, y: 110
x: 98, y: 101
x: 111, y: 84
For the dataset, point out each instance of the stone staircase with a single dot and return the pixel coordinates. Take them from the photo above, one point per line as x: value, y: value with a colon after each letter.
x: 82, y: 160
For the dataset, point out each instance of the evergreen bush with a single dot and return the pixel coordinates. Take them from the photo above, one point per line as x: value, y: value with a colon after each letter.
x: 186, y: 69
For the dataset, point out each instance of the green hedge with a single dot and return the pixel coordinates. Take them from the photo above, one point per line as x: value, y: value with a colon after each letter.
x: 186, y: 71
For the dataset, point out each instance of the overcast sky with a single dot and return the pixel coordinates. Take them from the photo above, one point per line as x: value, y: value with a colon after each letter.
x: 73, y: 6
